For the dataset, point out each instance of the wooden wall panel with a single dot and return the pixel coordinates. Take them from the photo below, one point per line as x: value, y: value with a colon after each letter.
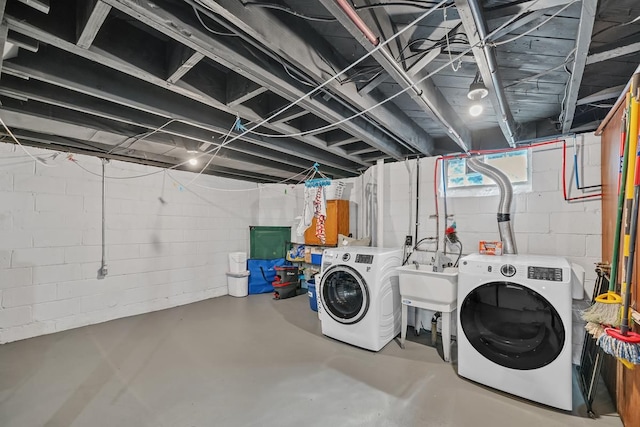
x: 623, y: 384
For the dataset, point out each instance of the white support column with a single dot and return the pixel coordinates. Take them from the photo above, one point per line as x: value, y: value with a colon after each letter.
x: 380, y: 203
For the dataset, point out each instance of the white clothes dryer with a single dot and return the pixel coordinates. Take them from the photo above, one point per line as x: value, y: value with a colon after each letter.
x: 514, y: 325
x: 359, y: 295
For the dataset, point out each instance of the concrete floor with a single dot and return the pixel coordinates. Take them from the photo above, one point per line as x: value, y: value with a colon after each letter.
x: 246, y: 362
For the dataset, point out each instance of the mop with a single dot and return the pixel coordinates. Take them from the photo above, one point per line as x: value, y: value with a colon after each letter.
x: 606, y: 308
x: 622, y: 343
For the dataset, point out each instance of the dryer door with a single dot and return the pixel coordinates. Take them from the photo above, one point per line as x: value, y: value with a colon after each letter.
x: 344, y: 294
x: 512, y: 325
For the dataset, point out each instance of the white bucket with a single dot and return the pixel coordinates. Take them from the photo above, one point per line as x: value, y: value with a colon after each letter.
x: 238, y: 284
x: 237, y: 262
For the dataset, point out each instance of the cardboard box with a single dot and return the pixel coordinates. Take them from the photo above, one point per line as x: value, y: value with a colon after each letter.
x: 490, y: 248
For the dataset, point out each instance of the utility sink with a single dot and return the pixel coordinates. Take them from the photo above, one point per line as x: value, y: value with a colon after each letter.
x: 424, y: 284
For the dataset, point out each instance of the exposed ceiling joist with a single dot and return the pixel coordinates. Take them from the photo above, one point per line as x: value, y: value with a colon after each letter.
x: 604, y: 94
x: 177, y: 25
x: 615, y: 50
x: 189, y: 90
x: 91, y: 16
x: 41, y: 5
x: 241, y: 89
x: 181, y: 60
x: 476, y: 30
x: 583, y: 40
x: 65, y: 72
x: 425, y: 93
x: 524, y: 20
x: 529, y: 6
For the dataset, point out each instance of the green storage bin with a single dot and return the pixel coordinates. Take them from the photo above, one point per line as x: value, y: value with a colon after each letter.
x: 268, y: 242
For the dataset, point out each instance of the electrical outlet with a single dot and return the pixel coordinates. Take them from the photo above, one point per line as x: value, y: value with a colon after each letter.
x: 408, y: 240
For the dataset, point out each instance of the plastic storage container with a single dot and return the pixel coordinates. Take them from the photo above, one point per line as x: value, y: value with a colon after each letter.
x: 238, y: 284
x: 237, y: 262
x: 313, y: 297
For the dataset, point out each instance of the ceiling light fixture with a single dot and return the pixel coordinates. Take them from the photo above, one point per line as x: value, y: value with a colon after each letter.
x: 193, y: 161
x: 477, y: 91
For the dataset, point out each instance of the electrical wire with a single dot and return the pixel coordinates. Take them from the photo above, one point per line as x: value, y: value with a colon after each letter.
x: 4, y: 125
x: 390, y: 98
x: 336, y: 77
x: 459, y: 255
x: 446, y: 34
x: 141, y: 136
x: 216, y: 153
x: 343, y: 71
x: 217, y: 33
x: 633, y: 21
x: 289, y: 11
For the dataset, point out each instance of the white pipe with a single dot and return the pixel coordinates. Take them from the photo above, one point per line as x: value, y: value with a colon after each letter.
x: 380, y: 203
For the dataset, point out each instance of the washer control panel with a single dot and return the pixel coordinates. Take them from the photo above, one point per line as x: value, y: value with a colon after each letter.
x: 364, y: 259
x: 508, y: 270
x: 544, y: 273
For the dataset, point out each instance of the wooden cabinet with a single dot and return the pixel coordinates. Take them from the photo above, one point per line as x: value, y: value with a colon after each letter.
x: 337, y: 222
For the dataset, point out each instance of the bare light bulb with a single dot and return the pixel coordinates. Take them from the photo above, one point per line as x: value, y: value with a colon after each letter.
x: 475, y: 110
x: 193, y: 161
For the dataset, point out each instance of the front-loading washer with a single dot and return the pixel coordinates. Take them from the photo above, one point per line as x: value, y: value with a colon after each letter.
x: 514, y: 325
x: 359, y: 295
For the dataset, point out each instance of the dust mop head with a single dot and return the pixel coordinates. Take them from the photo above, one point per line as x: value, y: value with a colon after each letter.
x: 605, y: 310
x: 626, y: 347
x: 595, y: 329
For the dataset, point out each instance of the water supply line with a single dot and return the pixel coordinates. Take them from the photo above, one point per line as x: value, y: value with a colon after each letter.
x: 417, y: 198
x: 444, y: 205
x: 103, y: 271
x: 504, y: 207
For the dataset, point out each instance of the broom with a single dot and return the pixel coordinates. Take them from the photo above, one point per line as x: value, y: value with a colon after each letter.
x: 622, y: 343
x: 606, y: 307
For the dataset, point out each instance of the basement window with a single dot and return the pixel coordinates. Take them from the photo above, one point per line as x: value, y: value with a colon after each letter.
x: 463, y: 182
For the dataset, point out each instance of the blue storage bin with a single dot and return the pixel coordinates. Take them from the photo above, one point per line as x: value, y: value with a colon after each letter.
x: 316, y: 259
x: 313, y: 296
x: 262, y: 272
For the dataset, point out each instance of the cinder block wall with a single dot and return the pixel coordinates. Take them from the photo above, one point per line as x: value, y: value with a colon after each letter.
x: 159, y: 255
x: 543, y: 222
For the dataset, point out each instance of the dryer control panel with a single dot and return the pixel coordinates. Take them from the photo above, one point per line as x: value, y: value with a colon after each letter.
x: 544, y: 273
x: 364, y: 259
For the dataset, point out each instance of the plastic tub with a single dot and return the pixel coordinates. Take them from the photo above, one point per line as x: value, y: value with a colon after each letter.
x: 313, y: 297
x: 287, y: 273
x: 237, y: 262
x: 238, y: 284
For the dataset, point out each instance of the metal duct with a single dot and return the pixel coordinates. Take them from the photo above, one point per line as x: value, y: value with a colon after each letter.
x: 504, y: 207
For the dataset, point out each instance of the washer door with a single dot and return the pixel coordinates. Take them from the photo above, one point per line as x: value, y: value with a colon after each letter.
x: 512, y: 325
x: 344, y: 294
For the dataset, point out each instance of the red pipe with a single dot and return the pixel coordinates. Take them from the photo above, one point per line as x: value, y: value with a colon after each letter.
x: 351, y: 13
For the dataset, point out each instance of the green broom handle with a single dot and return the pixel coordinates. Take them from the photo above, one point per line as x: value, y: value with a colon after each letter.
x: 621, y: 194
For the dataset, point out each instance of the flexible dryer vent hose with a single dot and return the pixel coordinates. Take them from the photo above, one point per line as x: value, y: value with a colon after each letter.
x: 504, y: 208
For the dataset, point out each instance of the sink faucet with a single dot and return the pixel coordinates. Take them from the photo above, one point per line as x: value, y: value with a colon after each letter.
x: 417, y: 265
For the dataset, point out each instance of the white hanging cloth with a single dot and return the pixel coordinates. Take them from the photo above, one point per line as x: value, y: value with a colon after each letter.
x: 320, y: 212
x: 308, y: 210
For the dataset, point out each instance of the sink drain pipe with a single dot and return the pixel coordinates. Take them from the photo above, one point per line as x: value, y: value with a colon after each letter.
x: 504, y: 207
